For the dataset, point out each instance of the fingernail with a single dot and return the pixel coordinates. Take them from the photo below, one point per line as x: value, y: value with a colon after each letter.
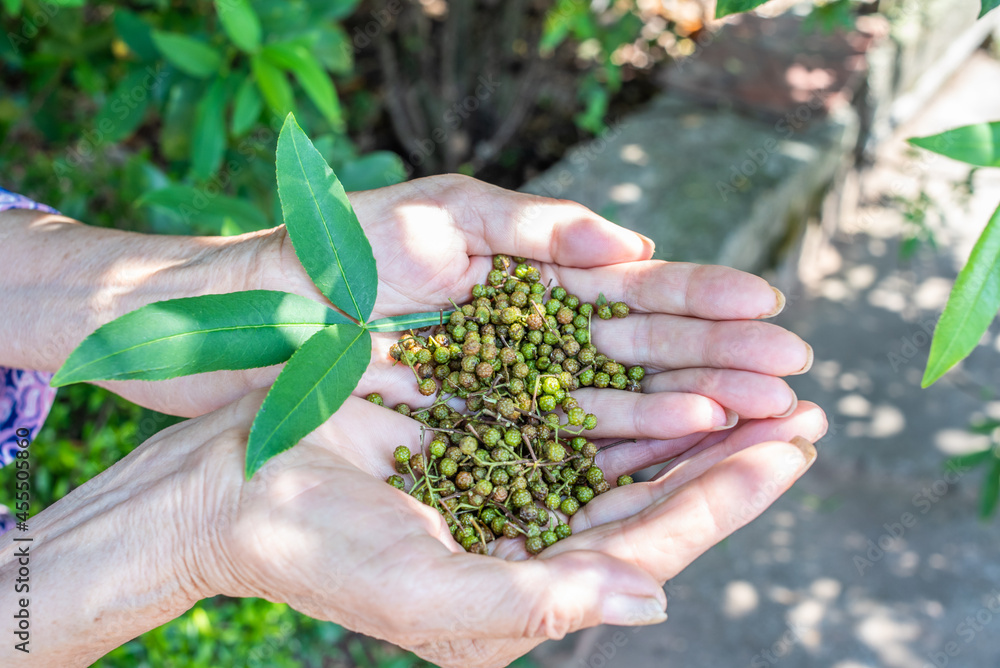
x: 650, y: 242
x: 626, y: 610
x: 791, y: 409
x: 731, y: 419
x: 809, y: 361
x: 779, y: 307
x: 807, y: 448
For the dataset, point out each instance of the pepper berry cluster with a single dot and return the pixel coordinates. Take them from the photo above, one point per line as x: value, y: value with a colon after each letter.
x: 504, y: 447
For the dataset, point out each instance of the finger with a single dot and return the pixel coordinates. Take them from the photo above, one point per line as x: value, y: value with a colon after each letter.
x: 751, y: 395
x: 679, y: 525
x: 537, y: 598
x: 681, y: 288
x: 496, y: 220
x: 678, y: 342
x: 807, y: 420
x: 624, y: 414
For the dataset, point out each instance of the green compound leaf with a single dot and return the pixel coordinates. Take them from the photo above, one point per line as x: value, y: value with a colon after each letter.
x: 240, y: 330
x: 240, y: 22
x: 313, y: 385
x: 977, y: 144
x: 400, y: 323
x: 727, y: 7
x: 987, y: 6
x: 322, y: 225
x: 972, y: 304
x: 189, y: 55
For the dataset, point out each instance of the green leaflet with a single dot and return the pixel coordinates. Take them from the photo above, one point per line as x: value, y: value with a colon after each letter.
x: 273, y: 85
x: 988, y: 5
x: 313, y: 385
x: 208, y: 143
x: 400, y: 323
x: 972, y: 304
x: 977, y: 144
x: 322, y: 225
x: 727, y: 7
x: 240, y: 22
x: 246, y: 108
x: 240, y: 330
x: 299, y: 60
x: 189, y: 55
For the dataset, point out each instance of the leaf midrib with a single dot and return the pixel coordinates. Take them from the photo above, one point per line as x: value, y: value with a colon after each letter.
x: 198, y: 332
x: 312, y: 389
x: 326, y: 228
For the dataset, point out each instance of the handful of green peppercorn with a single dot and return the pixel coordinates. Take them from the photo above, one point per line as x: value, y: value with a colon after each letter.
x: 515, y: 460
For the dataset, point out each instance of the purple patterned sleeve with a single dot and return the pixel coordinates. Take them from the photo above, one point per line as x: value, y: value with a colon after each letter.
x: 25, y: 396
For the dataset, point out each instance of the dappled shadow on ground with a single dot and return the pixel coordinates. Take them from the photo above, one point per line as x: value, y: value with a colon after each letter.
x: 876, y: 559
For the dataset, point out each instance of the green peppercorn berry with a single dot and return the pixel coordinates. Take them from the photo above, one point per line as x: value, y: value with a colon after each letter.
x: 583, y: 494
x: 549, y: 537
x: 555, y: 452
x: 565, y: 315
x: 552, y: 306
x: 602, y: 487
x: 559, y: 292
x: 521, y: 497
x: 531, y: 529
x: 448, y: 467
x: 604, y: 312
x: 619, y: 381
x: 417, y: 463
x: 624, y: 480
x: 484, y: 488
x: 601, y: 379
x: 468, y: 445
x: 510, y: 530
x: 437, y: 449
x: 586, y: 377
x: 512, y: 437
x: 499, y: 477
x: 589, y: 449
x: 428, y: 386
x: 594, y: 475
x: 528, y: 512
x: 491, y: 436
x: 563, y: 531
x: 552, y: 500
x: 636, y: 373
x: 401, y: 454
x: 534, y: 545
x: 576, y: 416
x: 569, y: 506
x: 396, y: 482
x: 582, y: 336
x: 464, y: 480
x: 546, y: 403
x: 498, y: 524
x: 619, y: 309
x: 590, y: 421
x: 375, y: 398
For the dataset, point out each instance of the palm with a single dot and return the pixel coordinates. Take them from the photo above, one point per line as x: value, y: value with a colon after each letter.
x: 318, y: 528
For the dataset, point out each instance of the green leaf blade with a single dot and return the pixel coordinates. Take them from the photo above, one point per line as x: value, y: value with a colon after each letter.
x: 191, y: 56
x: 246, y: 108
x: 313, y: 385
x: 988, y: 6
x: 180, y: 337
x: 971, y: 307
x: 727, y: 7
x: 977, y: 144
x: 990, y: 493
x: 322, y: 225
x: 297, y: 59
x: 273, y: 85
x: 400, y: 323
x: 241, y: 23
x: 208, y: 143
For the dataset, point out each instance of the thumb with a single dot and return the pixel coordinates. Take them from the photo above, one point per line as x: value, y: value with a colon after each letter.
x: 549, y: 598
